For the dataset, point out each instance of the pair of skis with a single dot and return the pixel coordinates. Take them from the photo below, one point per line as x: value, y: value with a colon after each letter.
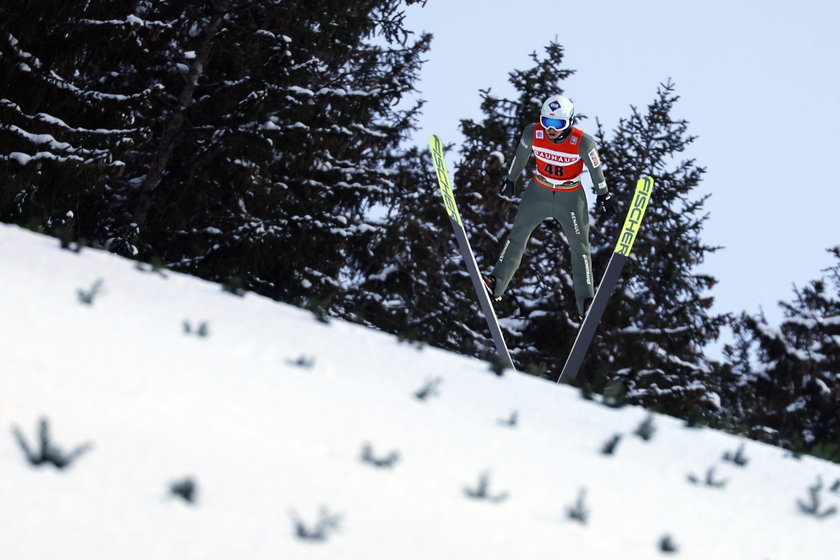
x: 627, y: 237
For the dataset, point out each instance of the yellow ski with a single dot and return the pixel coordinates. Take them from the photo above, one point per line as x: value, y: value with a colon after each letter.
x: 626, y: 238
x: 445, y: 185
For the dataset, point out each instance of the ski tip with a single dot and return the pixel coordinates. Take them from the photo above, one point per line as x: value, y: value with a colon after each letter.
x: 641, y: 197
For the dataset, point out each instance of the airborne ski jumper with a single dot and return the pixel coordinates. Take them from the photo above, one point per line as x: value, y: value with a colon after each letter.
x: 555, y: 191
x: 561, y: 152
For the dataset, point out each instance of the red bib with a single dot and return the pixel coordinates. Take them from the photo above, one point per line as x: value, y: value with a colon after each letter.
x: 558, y: 164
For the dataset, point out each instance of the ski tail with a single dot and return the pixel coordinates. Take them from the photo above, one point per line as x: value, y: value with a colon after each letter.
x: 445, y: 185
x: 626, y: 239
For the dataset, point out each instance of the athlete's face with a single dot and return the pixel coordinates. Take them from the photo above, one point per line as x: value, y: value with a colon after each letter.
x: 553, y: 133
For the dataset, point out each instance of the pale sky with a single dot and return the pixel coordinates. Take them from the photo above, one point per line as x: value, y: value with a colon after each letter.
x: 758, y: 82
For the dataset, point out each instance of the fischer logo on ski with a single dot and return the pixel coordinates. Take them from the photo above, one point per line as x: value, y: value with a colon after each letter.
x: 443, y: 180
x: 634, y: 216
x: 644, y: 187
x: 445, y: 185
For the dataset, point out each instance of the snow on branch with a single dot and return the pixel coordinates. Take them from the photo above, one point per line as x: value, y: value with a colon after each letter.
x: 51, y: 149
x: 369, y: 131
x: 93, y: 95
x: 672, y: 330
x: 24, y: 159
x: 56, y: 80
x: 13, y: 42
x: 44, y: 140
x: 44, y: 118
x: 130, y: 20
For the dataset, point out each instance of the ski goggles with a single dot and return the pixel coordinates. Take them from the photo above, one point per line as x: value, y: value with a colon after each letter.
x: 557, y: 124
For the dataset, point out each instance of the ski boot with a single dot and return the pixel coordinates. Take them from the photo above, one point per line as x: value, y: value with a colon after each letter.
x: 490, y: 286
x: 587, y: 303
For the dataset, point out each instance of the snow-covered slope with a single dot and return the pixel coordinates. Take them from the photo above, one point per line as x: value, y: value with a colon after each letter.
x: 270, y: 415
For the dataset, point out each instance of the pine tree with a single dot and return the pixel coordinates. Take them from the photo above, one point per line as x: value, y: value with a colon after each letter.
x: 274, y: 131
x: 659, y: 320
x: 784, y: 382
x: 62, y: 130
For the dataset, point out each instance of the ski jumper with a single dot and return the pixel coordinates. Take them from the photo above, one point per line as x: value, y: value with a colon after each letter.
x: 554, y: 191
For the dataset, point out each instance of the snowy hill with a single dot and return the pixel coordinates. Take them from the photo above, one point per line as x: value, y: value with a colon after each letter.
x: 306, y: 439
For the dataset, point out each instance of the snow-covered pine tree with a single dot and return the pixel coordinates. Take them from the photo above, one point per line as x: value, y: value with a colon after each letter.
x: 165, y: 201
x: 342, y: 131
x: 62, y: 130
x: 783, y: 383
x: 163, y: 205
x: 273, y: 135
x: 659, y: 320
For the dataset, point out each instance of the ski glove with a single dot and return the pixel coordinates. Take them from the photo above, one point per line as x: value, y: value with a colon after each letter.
x: 605, y: 204
x: 506, y: 187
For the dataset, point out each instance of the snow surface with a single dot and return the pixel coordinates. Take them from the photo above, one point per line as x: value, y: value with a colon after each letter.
x: 269, y: 414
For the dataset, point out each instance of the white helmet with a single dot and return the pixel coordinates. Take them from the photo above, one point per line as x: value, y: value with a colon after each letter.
x: 557, y: 113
